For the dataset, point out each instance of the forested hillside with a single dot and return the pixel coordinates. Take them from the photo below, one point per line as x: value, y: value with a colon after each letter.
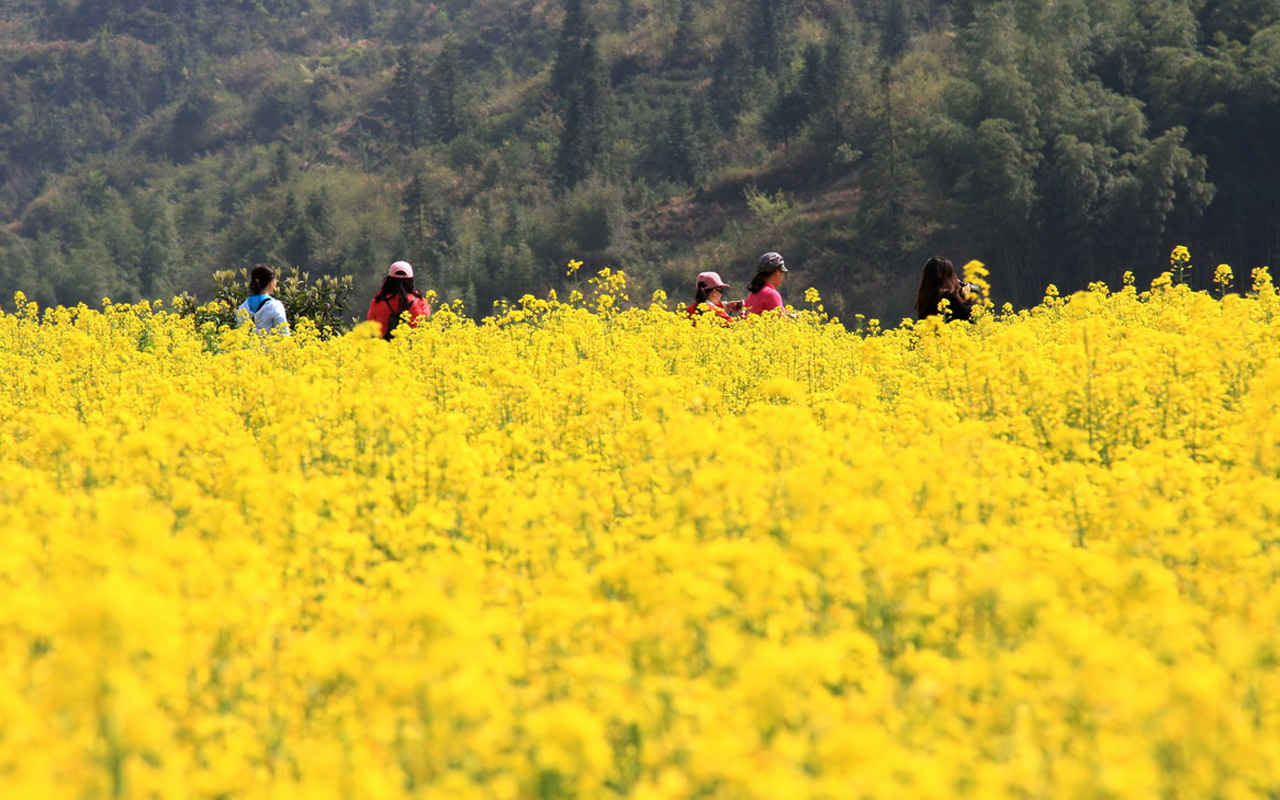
x: 145, y: 144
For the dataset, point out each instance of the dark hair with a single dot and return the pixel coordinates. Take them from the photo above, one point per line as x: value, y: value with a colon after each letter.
x: 393, y: 287
x: 703, y: 292
x: 761, y: 278
x: 768, y: 264
x: 260, y: 278
x: 939, y: 278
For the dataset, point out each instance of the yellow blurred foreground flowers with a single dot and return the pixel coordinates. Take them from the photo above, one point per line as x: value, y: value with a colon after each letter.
x: 580, y: 551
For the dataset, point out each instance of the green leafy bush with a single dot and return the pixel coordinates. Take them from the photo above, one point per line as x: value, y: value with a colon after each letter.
x: 324, y: 300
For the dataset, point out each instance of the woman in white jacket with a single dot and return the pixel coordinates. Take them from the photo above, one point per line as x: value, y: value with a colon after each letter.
x: 266, y: 312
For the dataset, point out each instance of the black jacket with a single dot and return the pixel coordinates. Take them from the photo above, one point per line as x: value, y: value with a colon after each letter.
x: 960, y: 308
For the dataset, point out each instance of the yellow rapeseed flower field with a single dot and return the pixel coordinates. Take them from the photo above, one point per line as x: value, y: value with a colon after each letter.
x: 581, y: 551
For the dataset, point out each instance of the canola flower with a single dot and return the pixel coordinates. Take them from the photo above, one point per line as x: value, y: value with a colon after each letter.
x: 1222, y: 279
x: 582, y: 550
x: 1180, y: 264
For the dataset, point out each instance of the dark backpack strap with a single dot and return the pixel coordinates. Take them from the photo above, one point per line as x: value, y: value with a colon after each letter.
x: 392, y: 321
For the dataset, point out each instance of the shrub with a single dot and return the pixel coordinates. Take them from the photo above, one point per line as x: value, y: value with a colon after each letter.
x: 323, y: 300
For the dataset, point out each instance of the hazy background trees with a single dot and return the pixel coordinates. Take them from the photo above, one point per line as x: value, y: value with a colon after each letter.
x: 146, y: 144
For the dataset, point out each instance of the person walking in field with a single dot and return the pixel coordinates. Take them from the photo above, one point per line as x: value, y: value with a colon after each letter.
x: 763, y: 295
x: 939, y: 282
x: 397, y: 296
x: 267, y: 312
x: 709, y: 296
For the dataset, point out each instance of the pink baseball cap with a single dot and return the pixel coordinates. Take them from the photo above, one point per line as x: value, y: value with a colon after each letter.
x: 401, y: 269
x: 711, y: 280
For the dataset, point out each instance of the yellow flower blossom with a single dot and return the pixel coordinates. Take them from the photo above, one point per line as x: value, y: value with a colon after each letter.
x: 587, y: 549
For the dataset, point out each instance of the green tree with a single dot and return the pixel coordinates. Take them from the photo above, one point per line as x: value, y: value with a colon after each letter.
x: 893, y: 43
x: 582, y: 141
x: 290, y: 217
x: 187, y: 134
x: 159, y: 240
x: 361, y: 257
x: 442, y: 250
x: 682, y: 44
x: 571, y: 166
x: 828, y: 88
x: 626, y: 14
x: 896, y: 31
x: 414, y: 218
x: 319, y: 214
x: 767, y: 32
x: 799, y: 99
x: 443, y: 99
x: 299, y: 248
x: 681, y: 148
x: 281, y: 166
x: 574, y: 35
x: 405, y: 97
x: 786, y: 116
x: 357, y: 15
x: 730, y: 83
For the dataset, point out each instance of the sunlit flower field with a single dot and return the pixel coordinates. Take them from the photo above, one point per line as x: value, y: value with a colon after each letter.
x: 577, y: 551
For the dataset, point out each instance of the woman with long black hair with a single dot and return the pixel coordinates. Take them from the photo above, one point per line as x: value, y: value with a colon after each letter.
x: 397, y: 296
x: 939, y: 282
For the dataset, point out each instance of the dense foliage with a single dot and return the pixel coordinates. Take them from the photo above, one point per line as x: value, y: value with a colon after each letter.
x: 146, y: 144
x: 574, y: 551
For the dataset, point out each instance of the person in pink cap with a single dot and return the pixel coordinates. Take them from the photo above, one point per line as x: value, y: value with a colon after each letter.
x: 763, y: 292
x: 396, y: 296
x: 709, y: 296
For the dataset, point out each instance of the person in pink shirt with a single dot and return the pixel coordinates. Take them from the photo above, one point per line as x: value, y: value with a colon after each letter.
x: 763, y: 288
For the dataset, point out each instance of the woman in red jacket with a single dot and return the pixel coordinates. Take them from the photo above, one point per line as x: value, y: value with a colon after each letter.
x: 396, y: 296
x: 709, y: 296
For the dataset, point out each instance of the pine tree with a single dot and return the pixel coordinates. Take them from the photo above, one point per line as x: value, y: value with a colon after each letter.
x: 825, y: 83
x: 299, y: 249
x: 896, y: 33
x: 290, y: 218
x: 594, y: 112
x: 318, y: 220
x: 811, y: 85
x: 281, y: 168
x: 784, y: 119
x: 893, y: 43
x: 405, y: 97
x: 158, y: 239
x: 319, y: 213
x: 189, y: 125
x: 573, y: 35
x: 442, y: 95
x: 626, y: 14
x: 682, y: 43
x: 682, y: 149
x: 441, y: 250
x: 586, y: 119
x: 728, y: 83
x: 362, y: 256
x: 570, y: 167
x: 767, y: 35
x: 358, y: 16
x: 413, y: 214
